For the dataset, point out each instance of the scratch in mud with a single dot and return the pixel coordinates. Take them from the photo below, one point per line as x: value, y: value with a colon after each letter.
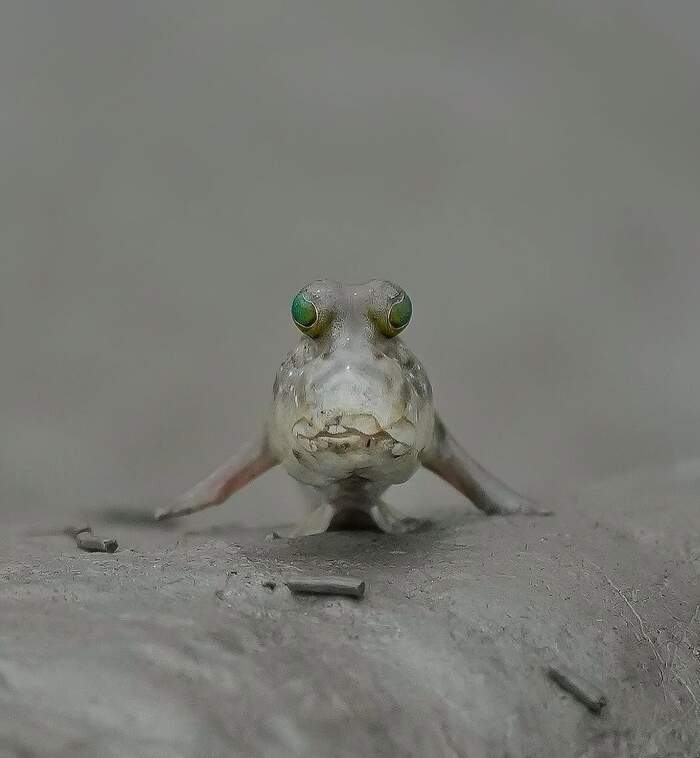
x: 664, y: 666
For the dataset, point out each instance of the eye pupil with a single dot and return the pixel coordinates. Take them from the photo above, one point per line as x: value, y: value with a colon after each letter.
x: 400, y: 312
x: 304, y: 312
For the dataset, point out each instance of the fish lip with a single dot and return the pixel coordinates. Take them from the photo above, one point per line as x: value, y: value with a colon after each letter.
x: 349, y: 433
x: 336, y: 434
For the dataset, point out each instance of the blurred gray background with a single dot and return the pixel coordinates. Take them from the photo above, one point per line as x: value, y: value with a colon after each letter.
x: 172, y: 172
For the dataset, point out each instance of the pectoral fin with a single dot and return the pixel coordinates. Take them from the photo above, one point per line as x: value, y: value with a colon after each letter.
x: 446, y: 458
x: 246, y: 465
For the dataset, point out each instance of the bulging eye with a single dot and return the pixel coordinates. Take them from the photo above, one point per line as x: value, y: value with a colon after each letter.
x: 395, y: 319
x: 304, y: 312
x: 400, y: 313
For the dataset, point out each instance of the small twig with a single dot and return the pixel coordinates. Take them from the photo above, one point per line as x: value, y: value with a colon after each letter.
x: 89, y: 542
x: 83, y: 536
x: 327, y: 585
x: 585, y: 692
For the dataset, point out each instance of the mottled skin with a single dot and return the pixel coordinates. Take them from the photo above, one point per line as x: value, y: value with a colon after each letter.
x: 352, y: 413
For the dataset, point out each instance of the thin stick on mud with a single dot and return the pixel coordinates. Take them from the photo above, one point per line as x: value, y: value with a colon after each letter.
x: 583, y: 690
x: 92, y: 544
x: 83, y: 536
x: 327, y: 585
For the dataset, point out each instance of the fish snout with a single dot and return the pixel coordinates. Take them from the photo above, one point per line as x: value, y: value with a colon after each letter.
x: 371, y: 390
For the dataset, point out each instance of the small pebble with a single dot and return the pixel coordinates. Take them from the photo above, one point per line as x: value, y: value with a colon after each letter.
x: 269, y: 584
x: 272, y: 536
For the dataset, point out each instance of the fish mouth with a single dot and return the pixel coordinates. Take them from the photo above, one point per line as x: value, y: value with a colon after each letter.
x: 356, y: 432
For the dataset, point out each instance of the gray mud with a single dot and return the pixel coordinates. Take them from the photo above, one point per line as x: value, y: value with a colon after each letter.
x: 173, y: 647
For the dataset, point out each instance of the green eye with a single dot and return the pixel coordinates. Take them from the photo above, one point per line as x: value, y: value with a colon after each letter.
x: 400, y: 313
x: 304, y: 312
x: 394, y: 320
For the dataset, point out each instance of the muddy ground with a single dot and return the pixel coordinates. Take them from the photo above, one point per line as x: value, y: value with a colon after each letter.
x: 172, y: 646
